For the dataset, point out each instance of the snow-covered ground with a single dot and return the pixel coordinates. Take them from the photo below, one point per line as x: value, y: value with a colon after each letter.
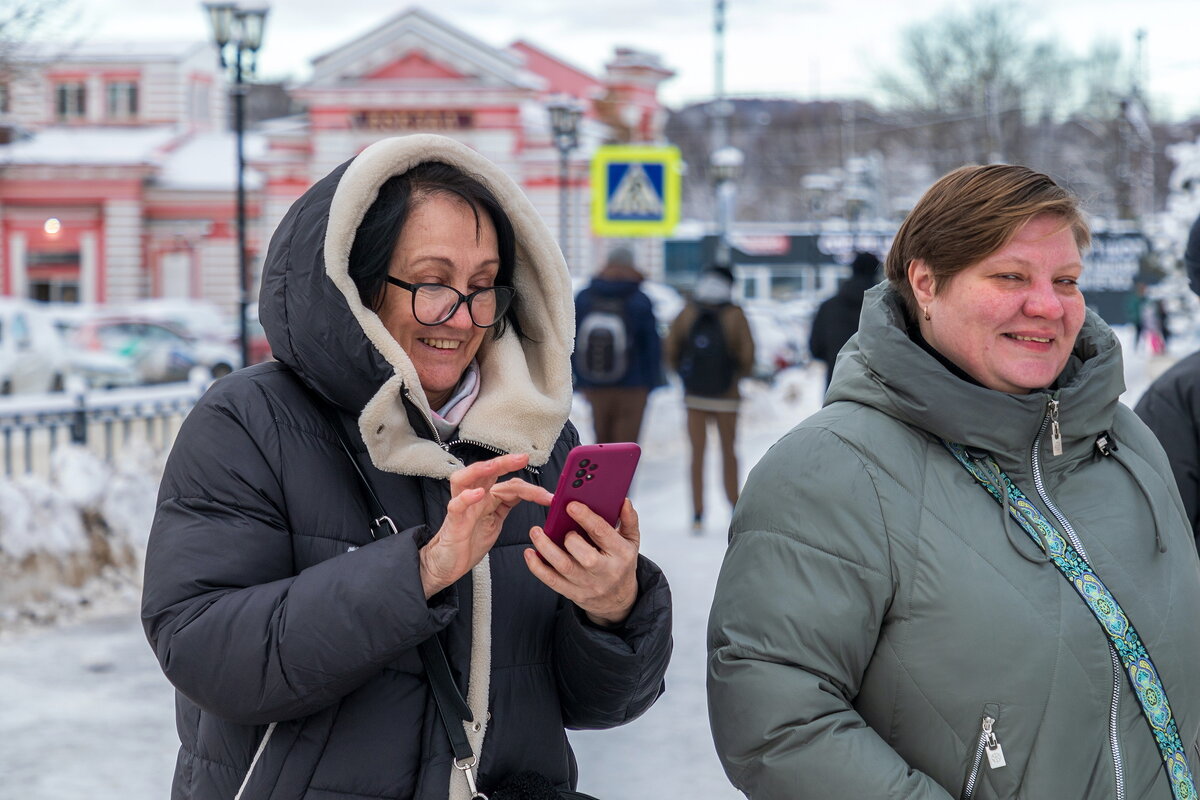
x: 85, y: 713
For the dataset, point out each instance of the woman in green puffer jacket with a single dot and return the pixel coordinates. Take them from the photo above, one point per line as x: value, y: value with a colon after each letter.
x: 883, y: 625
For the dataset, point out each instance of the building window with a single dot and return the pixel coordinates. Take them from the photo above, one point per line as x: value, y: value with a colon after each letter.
x: 70, y: 101
x: 4, y: 99
x: 122, y: 100
x: 54, y: 290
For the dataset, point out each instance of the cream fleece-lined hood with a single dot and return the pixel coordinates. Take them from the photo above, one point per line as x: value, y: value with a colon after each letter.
x: 317, y: 325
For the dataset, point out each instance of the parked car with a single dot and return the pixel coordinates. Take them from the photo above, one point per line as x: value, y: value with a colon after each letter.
x: 213, y: 334
x: 158, y: 352
x: 32, y: 356
x: 97, y: 369
x: 780, y: 336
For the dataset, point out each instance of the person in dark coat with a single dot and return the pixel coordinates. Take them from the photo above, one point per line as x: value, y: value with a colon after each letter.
x: 1171, y: 406
x: 836, y: 319
x: 414, y: 298
x: 619, y: 403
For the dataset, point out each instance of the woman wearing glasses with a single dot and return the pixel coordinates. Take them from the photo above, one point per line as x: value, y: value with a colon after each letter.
x: 421, y: 316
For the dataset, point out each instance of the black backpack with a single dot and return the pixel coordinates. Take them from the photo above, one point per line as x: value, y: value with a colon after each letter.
x: 705, y: 363
x: 603, y: 343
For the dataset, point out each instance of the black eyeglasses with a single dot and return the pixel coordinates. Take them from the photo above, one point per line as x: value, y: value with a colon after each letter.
x: 434, y: 303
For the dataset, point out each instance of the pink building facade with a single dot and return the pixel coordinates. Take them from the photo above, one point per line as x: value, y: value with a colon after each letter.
x: 117, y: 181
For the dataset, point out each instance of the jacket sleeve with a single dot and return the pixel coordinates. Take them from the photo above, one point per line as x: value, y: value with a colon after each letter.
x: 744, y: 342
x: 609, y: 677
x: 234, y: 626
x: 818, y: 336
x: 675, y: 333
x: 1172, y: 411
x: 647, y: 344
x: 797, y: 612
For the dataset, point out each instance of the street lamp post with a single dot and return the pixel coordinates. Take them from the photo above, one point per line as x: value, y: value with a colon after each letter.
x: 240, y: 29
x: 726, y: 163
x: 564, y: 122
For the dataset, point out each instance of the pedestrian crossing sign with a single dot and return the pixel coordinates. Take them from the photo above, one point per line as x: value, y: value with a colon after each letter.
x: 635, y: 190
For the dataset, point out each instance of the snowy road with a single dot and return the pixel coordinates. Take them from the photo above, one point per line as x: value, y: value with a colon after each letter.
x: 85, y: 713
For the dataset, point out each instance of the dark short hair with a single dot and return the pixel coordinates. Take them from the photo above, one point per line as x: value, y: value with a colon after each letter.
x: 971, y: 213
x: 377, y: 234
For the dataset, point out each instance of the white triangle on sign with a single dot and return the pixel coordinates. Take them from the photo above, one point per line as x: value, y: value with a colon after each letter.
x: 635, y: 196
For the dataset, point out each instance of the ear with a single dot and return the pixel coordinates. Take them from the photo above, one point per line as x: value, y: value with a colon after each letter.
x: 920, y: 278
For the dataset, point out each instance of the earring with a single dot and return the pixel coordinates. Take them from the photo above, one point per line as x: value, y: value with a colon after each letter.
x: 927, y: 317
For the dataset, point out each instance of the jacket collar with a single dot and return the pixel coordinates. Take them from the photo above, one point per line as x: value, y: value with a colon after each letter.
x: 318, y: 326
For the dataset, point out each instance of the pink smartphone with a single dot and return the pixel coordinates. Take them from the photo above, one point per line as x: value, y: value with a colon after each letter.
x: 597, y: 475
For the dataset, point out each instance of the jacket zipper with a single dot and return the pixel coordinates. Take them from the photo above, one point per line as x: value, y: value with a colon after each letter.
x: 1114, y: 740
x: 987, y: 745
x: 437, y: 438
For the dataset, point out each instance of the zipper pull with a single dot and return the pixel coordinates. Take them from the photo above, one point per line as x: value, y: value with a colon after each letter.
x: 1055, y: 430
x: 995, y: 753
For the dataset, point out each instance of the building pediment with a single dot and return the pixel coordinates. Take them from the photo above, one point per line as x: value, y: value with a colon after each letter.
x: 417, y: 46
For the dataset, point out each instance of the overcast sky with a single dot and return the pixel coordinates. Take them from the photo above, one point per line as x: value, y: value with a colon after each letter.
x: 797, y: 48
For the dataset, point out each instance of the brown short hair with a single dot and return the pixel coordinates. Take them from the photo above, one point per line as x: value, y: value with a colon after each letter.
x: 970, y: 213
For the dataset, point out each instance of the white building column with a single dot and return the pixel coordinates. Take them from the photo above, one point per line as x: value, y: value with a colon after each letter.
x: 124, y: 273
x: 88, y: 267
x: 17, y: 249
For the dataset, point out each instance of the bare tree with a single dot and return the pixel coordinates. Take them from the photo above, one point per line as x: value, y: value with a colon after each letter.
x: 976, y: 78
x: 24, y: 22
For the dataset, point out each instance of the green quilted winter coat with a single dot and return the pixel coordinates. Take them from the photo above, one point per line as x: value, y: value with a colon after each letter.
x: 875, y: 606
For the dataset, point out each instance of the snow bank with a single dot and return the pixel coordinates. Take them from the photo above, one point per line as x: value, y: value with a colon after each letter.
x: 75, y: 539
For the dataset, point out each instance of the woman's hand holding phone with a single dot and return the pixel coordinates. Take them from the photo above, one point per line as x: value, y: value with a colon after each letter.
x: 584, y: 556
x: 598, y: 574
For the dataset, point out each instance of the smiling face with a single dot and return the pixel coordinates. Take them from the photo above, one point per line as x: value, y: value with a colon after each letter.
x: 1009, y: 321
x: 442, y: 242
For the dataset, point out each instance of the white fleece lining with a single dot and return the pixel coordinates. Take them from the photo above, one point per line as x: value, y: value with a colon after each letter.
x: 525, y: 388
x: 481, y: 671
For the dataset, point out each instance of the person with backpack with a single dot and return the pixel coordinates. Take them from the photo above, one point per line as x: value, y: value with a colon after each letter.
x: 618, y: 353
x: 711, y: 348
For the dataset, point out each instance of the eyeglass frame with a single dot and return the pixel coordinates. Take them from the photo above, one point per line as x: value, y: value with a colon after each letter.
x: 462, y: 298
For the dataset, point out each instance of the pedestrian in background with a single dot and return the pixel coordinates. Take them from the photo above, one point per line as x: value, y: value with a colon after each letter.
x: 711, y: 347
x: 618, y: 352
x: 969, y: 574
x: 303, y: 626
x: 1171, y: 406
x: 836, y: 319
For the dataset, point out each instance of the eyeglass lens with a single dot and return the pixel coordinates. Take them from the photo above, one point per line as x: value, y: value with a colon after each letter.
x: 434, y: 304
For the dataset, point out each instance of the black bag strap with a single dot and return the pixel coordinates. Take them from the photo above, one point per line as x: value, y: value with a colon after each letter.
x: 452, y: 708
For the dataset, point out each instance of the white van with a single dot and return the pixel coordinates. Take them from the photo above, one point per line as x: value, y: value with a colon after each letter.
x: 32, y: 356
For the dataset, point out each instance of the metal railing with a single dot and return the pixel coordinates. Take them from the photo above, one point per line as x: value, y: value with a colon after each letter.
x: 105, y: 422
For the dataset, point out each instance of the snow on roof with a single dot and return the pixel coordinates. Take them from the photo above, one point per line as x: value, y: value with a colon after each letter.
x: 90, y: 145
x: 168, y: 50
x: 208, y: 161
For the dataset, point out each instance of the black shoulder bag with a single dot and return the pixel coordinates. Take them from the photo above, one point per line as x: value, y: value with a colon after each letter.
x: 452, y: 707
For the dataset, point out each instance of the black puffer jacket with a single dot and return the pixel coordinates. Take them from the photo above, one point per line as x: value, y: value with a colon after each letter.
x: 286, y: 630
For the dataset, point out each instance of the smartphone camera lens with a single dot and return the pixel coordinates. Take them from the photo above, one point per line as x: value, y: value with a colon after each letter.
x: 577, y: 483
x: 584, y: 462
x: 580, y: 473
